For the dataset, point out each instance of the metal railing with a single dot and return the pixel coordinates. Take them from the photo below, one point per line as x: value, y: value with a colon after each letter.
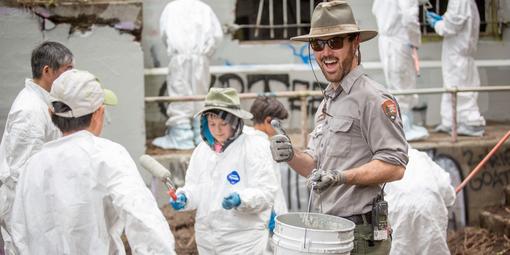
x: 307, y: 94
x: 287, y: 68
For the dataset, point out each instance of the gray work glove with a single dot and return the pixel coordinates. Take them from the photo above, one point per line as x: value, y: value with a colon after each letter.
x: 281, y: 147
x: 321, y: 180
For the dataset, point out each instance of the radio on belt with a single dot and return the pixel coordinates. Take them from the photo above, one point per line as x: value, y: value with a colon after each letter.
x: 380, y: 218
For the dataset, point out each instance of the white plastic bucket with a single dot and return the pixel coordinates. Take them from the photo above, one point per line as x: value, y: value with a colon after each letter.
x: 325, y: 234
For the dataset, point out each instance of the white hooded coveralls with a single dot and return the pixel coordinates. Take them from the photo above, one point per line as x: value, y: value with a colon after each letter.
x: 460, y: 28
x: 280, y: 206
x: 399, y: 30
x: 242, y: 230
x: 27, y: 128
x: 419, y: 225
x: 77, y: 196
x: 192, y: 33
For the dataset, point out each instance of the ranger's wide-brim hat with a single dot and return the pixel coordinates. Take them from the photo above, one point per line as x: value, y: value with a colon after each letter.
x: 225, y: 99
x: 334, y: 18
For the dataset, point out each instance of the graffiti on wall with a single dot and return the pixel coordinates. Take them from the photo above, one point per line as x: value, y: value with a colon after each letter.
x: 496, y: 172
x: 484, y: 189
x: 303, y: 53
x: 261, y: 83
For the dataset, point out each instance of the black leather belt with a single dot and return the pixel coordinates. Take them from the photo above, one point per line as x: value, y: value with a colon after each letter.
x: 358, y: 218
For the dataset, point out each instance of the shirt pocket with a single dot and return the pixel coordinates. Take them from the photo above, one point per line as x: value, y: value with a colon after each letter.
x: 340, y: 140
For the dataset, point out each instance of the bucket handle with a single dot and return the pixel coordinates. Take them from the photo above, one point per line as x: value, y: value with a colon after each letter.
x: 307, y: 215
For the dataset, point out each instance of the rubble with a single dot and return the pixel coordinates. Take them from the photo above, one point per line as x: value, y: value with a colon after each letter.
x: 182, y: 227
x: 475, y: 241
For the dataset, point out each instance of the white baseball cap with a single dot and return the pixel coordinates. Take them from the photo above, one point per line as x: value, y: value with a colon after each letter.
x: 81, y: 91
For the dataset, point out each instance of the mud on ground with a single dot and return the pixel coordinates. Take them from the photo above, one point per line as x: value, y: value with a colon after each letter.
x: 182, y: 227
x: 477, y: 241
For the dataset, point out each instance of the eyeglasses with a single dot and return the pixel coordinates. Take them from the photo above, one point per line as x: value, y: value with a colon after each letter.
x: 334, y: 43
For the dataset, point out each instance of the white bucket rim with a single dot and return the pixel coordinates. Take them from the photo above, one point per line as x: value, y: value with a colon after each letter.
x: 351, y: 228
x: 297, y: 245
x: 286, y: 238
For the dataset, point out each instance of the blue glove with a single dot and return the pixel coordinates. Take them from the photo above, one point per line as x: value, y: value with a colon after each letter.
x: 433, y: 18
x: 179, y: 203
x: 271, y: 221
x: 231, y: 201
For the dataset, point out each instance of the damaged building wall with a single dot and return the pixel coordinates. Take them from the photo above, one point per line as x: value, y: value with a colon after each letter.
x: 113, y: 54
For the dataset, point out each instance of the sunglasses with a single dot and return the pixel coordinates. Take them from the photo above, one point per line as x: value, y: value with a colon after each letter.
x: 334, y: 43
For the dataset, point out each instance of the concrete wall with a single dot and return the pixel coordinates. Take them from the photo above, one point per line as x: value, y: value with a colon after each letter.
x: 485, y: 189
x: 115, y: 58
x: 232, y: 52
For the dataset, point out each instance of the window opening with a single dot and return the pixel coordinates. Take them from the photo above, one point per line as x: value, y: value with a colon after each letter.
x: 273, y: 19
x: 489, y: 11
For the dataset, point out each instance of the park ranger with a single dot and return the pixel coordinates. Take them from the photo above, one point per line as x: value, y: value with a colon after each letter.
x: 358, y: 143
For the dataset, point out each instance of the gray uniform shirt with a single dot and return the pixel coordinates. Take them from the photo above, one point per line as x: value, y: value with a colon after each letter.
x: 360, y: 122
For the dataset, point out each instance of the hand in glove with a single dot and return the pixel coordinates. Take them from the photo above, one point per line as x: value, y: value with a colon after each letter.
x: 179, y: 203
x: 322, y: 180
x: 272, y: 221
x: 231, y: 201
x: 433, y: 18
x: 281, y: 147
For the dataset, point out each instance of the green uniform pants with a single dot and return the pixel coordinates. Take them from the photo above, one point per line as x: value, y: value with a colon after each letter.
x: 363, y: 243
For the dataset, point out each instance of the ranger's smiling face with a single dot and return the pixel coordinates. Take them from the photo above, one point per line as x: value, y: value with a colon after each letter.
x: 335, y: 63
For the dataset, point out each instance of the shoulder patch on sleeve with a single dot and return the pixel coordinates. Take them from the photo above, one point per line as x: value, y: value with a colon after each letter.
x: 389, y: 108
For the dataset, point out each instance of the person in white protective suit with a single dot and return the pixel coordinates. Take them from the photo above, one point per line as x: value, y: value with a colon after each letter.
x: 420, y: 225
x: 80, y: 192
x: 28, y: 125
x: 399, y: 39
x: 191, y: 32
x: 230, y: 180
x: 460, y: 28
x: 264, y: 110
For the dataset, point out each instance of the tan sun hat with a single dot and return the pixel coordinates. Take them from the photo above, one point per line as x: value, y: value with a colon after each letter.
x: 334, y: 18
x: 81, y: 91
x: 225, y: 99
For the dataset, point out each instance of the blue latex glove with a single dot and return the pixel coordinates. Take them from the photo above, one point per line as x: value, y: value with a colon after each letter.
x: 433, y: 18
x: 231, y: 201
x: 179, y: 203
x: 271, y: 222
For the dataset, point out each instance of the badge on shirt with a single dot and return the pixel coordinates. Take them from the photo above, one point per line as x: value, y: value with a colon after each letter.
x: 233, y: 177
x: 390, y: 109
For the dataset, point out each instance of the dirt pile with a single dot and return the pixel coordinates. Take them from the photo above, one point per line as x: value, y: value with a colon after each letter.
x: 475, y: 241
x: 182, y: 227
